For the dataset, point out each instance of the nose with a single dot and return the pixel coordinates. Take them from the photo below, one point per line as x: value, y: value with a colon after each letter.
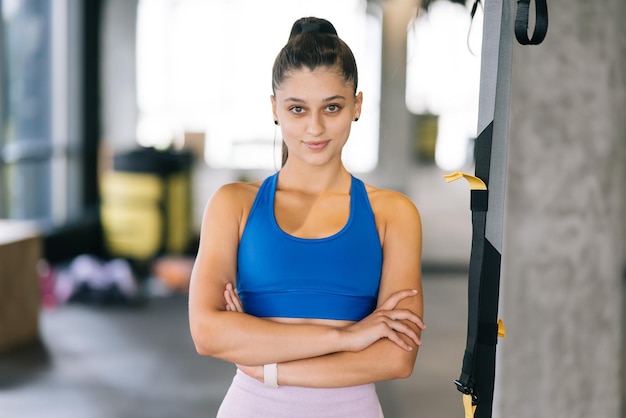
x: 315, y: 126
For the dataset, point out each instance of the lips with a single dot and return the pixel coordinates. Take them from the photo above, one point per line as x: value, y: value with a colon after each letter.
x: 316, y: 145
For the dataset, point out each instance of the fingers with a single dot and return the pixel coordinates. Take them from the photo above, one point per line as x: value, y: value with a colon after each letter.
x: 395, y: 298
x: 393, y: 320
x: 396, y: 327
x: 386, y: 324
x: 230, y: 306
x: 233, y: 303
x: 400, y: 327
x: 402, y: 314
x: 399, y: 341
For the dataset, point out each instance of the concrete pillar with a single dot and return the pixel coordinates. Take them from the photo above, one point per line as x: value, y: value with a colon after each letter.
x: 395, y: 120
x: 564, y: 247
x: 119, y: 86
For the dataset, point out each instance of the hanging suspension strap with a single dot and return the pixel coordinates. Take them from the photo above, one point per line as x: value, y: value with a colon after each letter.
x: 487, y: 195
x: 522, y: 19
x: 483, y: 327
x: 476, y: 381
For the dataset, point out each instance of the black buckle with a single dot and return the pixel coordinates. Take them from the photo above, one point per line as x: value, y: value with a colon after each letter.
x: 466, y: 390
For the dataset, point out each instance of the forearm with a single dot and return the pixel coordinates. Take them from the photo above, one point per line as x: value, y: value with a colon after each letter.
x: 233, y: 336
x: 383, y: 360
x: 247, y: 340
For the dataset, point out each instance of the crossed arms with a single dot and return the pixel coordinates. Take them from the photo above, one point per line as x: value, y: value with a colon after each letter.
x: 380, y: 347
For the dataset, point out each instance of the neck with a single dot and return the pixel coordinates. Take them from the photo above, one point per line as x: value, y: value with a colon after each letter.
x: 315, y: 179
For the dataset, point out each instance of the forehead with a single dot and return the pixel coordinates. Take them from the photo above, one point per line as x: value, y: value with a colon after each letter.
x: 319, y: 82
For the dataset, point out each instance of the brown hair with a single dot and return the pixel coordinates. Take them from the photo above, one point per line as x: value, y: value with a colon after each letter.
x: 313, y: 43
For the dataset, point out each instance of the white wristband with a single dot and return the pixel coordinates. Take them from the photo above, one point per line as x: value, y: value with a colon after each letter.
x: 270, y: 375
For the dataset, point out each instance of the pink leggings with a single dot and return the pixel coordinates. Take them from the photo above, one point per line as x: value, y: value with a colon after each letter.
x: 249, y: 398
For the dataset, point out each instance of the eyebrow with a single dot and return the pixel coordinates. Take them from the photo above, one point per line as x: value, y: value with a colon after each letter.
x: 326, y: 100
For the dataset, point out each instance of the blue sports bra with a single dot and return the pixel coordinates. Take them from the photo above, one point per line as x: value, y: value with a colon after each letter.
x: 337, y: 277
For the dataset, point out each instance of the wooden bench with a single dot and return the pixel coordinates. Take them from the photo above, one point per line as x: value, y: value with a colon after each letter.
x: 20, y: 251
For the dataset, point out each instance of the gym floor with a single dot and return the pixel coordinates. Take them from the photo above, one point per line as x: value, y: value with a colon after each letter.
x: 141, y: 363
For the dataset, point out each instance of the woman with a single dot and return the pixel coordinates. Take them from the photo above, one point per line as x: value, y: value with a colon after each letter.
x: 309, y: 280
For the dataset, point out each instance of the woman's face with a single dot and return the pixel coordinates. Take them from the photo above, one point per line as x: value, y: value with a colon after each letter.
x: 315, y: 110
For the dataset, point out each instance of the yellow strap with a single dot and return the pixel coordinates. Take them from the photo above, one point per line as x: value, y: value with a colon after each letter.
x: 501, y: 330
x: 474, y: 182
x: 469, y: 408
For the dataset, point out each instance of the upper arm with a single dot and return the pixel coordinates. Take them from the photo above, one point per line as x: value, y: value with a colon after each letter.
x: 216, y: 261
x: 402, y: 248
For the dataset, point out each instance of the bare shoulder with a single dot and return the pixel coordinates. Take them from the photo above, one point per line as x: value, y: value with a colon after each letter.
x: 237, y: 191
x: 390, y: 203
x: 395, y: 214
x: 234, y: 198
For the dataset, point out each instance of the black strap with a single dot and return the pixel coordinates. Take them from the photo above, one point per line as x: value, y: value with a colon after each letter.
x: 466, y: 383
x: 478, y: 369
x: 541, y: 22
x: 474, y: 7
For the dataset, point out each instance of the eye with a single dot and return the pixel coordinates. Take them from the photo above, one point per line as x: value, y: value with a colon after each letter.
x: 333, y: 108
x: 296, y: 109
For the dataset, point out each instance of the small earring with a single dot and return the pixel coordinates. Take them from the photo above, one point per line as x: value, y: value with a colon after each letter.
x: 356, y: 119
x: 275, y: 122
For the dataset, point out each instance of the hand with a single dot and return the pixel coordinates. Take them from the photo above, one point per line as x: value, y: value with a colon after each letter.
x: 385, y: 322
x: 255, y: 372
x: 233, y: 302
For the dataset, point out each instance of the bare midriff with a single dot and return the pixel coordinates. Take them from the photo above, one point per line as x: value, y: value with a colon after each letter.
x: 336, y: 323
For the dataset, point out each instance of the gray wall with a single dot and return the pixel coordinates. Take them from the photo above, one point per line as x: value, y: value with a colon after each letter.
x: 564, y: 252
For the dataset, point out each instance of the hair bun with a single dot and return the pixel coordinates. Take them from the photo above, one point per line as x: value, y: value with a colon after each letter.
x: 312, y: 25
x: 309, y: 27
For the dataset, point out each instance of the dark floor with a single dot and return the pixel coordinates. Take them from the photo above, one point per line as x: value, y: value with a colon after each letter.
x: 140, y: 363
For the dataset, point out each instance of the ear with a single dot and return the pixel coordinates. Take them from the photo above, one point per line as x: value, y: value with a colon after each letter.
x: 358, y: 102
x: 273, y: 99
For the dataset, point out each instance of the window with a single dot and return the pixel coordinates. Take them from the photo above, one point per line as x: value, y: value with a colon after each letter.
x: 205, y: 66
x: 443, y: 78
x: 39, y: 110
